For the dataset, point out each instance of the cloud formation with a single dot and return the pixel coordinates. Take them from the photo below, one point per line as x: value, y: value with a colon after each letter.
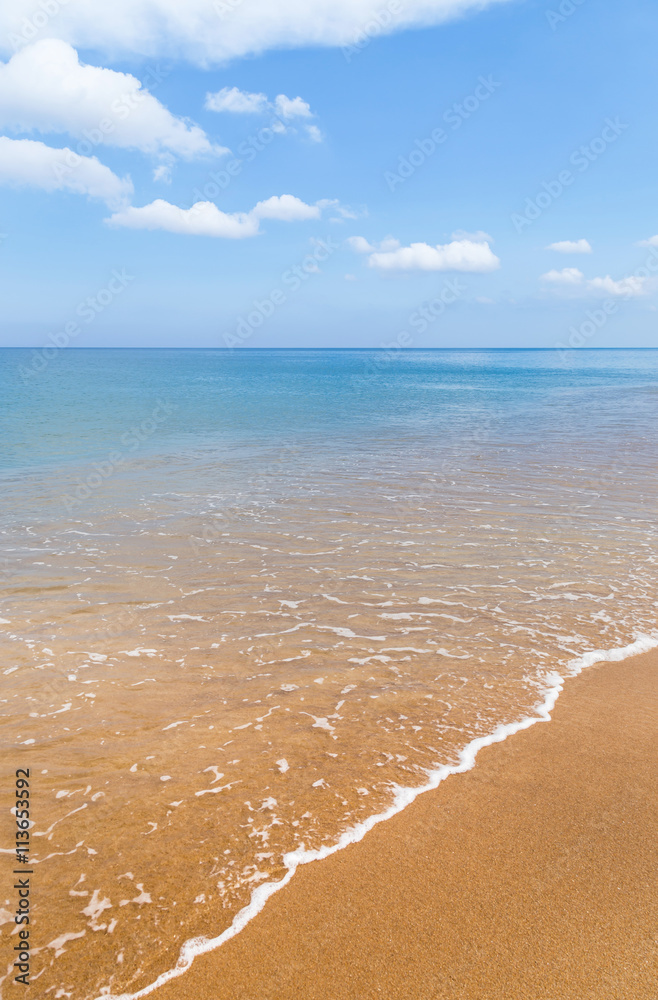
x: 574, y: 282
x: 242, y: 102
x: 45, y: 88
x: 571, y: 246
x: 213, y: 31
x: 205, y: 219
x: 314, y: 133
x: 26, y: 162
x: 567, y: 276
x: 361, y: 245
x: 459, y: 255
x: 236, y: 102
x: 287, y: 208
x: 292, y: 107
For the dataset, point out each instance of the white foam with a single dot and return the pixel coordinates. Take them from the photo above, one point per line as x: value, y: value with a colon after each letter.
x: 347, y: 633
x: 58, y: 943
x: 215, y: 770
x: 403, y: 797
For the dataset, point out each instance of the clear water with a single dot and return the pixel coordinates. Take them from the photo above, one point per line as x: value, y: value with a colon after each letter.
x: 248, y: 594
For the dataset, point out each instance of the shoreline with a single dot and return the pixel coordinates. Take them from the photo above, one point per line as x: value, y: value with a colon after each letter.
x: 199, y: 958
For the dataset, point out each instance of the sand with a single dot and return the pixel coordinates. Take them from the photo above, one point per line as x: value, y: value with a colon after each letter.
x: 532, y: 876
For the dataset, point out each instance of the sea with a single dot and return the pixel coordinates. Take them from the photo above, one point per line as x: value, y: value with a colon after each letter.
x: 254, y: 601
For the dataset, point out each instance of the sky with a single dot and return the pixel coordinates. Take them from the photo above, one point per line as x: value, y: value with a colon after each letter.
x: 353, y: 173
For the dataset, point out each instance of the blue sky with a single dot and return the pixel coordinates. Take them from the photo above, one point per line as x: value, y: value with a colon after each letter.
x: 410, y: 196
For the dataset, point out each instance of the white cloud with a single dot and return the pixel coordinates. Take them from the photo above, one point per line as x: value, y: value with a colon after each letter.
x: 26, y: 162
x: 340, y: 212
x: 238, y: 102
x: 242, y: 102
x: 212, y: 31
x: 571, y: 246
x: 314, y: 133
x: 460, y: 255
x: 162, y: 173
x: 286, y: 109
x: 651, y: 242
x: 630, y: 287
x: 286, y: 208
x: 360, y: 245
x: 573, y: 281
x: 567, y: 276
x: 45, y: 88
x: 205, y: 219
x: 292, y: 107
x: 344, y: 212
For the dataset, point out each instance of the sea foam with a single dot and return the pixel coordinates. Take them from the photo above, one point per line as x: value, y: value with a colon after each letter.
x: 403, y: 796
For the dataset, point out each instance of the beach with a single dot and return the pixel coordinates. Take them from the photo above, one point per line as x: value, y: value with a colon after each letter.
x: 531, y: 876
x: 264, y: 628
x: 328, y: 507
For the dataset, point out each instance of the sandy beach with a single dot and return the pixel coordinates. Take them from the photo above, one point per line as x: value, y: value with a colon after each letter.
x: 533, y: 876
x: 225, y: 660
x: 328, y: 508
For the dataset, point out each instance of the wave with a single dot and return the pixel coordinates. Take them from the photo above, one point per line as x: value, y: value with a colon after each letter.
x: 403, y: 796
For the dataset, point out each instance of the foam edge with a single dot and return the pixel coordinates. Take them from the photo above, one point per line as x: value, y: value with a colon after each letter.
x: 402, y: 798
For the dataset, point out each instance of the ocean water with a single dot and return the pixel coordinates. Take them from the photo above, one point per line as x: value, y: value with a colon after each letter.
x: 252, y: 599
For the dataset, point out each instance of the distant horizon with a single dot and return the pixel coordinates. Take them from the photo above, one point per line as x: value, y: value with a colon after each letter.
x: 247, y: 350
x: 255, y: 607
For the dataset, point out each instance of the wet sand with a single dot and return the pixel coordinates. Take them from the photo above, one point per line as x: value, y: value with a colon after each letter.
x: 533, y: 876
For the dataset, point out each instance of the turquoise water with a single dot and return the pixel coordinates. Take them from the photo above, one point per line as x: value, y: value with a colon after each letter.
x: 248, y: 596
x: 84, y: 401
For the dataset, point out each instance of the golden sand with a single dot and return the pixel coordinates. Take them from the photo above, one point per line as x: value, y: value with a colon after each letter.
x: 533, y: 876
x: 195, y: 709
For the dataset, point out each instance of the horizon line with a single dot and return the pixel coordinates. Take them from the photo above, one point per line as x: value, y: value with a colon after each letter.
x: 232, y: 350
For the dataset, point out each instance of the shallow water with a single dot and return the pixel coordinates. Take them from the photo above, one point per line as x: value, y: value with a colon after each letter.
x: 250, y: 594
